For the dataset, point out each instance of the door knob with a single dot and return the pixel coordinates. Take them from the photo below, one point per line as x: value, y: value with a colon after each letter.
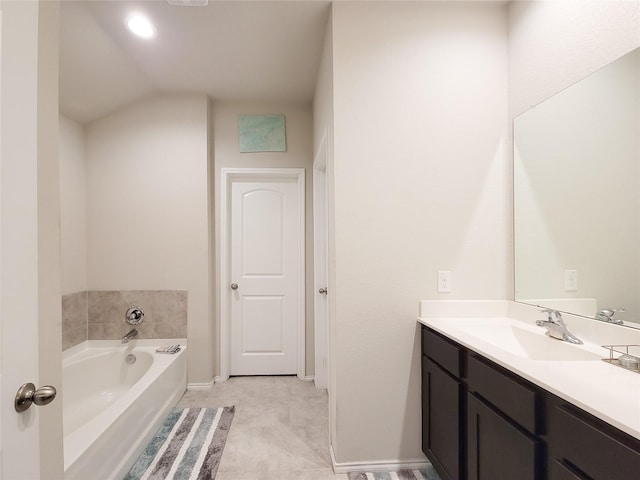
x: 27, y: 394
x: 234, y: 286
x: 323, y: 290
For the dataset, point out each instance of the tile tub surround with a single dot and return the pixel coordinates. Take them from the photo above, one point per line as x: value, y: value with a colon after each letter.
x: 75, y: 314
x: 99, y: 315
x: 165, y: 313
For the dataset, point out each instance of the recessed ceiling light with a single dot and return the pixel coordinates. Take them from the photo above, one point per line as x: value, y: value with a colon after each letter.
x: 140, y: 25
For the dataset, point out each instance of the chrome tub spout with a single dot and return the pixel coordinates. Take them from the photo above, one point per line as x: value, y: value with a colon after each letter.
x: 132, y: 334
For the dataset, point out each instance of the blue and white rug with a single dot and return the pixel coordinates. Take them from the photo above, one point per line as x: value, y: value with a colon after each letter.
x: 188, y: 445
x: 427, y: 473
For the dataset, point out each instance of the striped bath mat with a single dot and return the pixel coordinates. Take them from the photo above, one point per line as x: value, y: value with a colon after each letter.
x: 188, y: 445
x: 427, y: 473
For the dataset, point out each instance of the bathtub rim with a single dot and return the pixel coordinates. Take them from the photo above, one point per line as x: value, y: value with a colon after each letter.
x: 136, y: 342
x: 103, y: 421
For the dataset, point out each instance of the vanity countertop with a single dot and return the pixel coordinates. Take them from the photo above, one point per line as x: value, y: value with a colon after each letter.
x: 606, y: 391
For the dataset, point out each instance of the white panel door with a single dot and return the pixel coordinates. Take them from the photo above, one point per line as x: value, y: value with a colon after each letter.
x: 31, y: 440
x: 265, y: 247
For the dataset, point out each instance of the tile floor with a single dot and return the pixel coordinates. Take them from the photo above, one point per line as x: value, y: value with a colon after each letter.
x: 279, y: 431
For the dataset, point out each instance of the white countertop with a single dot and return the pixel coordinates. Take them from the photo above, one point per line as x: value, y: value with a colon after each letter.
x: 606, y: 391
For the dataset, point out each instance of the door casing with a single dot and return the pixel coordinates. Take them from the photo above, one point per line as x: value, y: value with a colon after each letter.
x: 320, y: 266
x: 228, y: 176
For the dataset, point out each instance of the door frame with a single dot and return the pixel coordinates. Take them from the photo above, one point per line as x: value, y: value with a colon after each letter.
x: 227, y: 177
x: 320, y: 265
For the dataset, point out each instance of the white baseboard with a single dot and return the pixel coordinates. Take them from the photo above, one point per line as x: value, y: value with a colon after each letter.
x: 219, y: 379
x: 377, y: 466
x: 200, y: 386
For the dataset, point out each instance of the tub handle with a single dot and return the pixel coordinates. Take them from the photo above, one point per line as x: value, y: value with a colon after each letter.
x: 27, y: 394
x: 134, y: 315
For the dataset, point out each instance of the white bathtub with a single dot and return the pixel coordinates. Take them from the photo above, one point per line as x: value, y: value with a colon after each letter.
x: 111, y: 408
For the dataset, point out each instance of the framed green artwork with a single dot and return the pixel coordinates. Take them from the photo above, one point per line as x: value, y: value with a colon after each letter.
x: 262, y: 133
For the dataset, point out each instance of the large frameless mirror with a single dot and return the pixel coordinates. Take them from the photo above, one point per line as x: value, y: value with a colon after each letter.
x: 577, y: 197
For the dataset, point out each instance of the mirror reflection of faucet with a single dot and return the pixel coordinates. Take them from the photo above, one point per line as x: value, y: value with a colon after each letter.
x: 606, y: 315
x: 556, y: 327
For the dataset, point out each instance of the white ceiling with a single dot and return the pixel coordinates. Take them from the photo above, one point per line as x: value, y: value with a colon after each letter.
x: 230, y: 50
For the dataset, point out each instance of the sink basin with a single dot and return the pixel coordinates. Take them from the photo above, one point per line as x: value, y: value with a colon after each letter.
x: 529, y: 344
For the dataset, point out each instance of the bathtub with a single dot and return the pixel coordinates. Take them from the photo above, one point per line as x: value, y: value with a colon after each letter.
x: 112, y: 408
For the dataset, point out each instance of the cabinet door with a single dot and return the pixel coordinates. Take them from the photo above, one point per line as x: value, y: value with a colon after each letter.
x: 591, y: 448
x: 559, y: 471
x: 496, y: 448
x: 441, y: 420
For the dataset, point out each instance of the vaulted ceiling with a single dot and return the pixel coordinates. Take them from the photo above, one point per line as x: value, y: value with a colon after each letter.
x: 230, y: 50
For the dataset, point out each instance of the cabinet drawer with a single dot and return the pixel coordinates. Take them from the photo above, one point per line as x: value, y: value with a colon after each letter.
x: 509, y: 394
x: 445, y: 353
x: 600, y: 451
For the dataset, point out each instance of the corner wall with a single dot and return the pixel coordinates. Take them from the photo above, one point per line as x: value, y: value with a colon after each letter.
x: 323, y: 125
x: 421, y: 185
x: 73, y: 207
x: 148, y: 229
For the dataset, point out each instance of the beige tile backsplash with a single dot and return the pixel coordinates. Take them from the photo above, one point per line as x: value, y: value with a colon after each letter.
x: 100, y: 315
x: 74, y: 319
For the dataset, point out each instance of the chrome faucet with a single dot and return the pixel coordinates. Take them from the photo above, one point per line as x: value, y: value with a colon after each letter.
x: 556, y: 327
x: 606, y: 315
x: 132, y: 334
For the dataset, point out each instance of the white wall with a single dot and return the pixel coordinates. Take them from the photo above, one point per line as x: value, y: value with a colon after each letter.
x: 299, y: 154
x: 73, y: 206
x: 148, y: 229
x: 420, y: 108
x: 323, y: 94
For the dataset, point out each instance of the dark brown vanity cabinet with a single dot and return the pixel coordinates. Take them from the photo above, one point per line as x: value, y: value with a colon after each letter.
x: 442, y: 405
x: 481, y: 421
x: 503, y: 423
x: 582, y: 447
x: 496, y: 448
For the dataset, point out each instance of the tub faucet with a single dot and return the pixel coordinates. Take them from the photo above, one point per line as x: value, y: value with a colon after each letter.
x: 132, y: 334
x: 556, y: 327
